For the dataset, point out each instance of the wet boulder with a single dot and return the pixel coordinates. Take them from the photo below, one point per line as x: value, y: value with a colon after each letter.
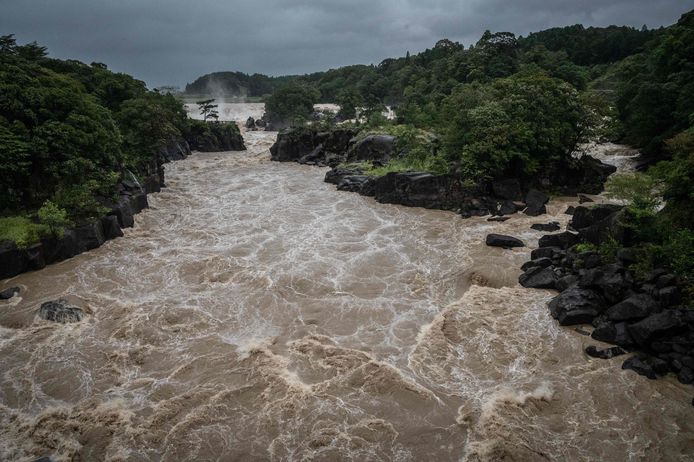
x: 538, y: 278
x: 373, y: 147
x: 615, y: 333
x: 606, y: 353
x: 543, y: 262
x: 561, y: 240
x: 665, y: 323
x: 111, y: 227
x: 633, y: 308
x: 535, y: 203
x: 501, y: 240
x: 89, y: 236
x: 355, y: 183
x: 547, y: 227
x: 584, y: 217
x: 544, y: 252
x: 639, y: 366
x: 60, y: 311
x: 498, y: 219
x: 576, y: 306
x: 582, y: 199
x: 250, y: 123
x: 60, y: 248
x: 509, y: 189
x: 9, y: 293
x: 12, y: 260
x: 416, y: 189
x: 612, y: 280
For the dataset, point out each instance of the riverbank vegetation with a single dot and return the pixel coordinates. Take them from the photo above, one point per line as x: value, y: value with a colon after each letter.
x: 69, y: 132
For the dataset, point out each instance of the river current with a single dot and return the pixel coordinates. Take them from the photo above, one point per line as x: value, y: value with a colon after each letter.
x: 256, y: 313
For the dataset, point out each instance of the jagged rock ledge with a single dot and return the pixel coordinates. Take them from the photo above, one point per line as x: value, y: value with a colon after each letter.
x: 638, y: 314
x: 132, y: 199
x: 339, y: 148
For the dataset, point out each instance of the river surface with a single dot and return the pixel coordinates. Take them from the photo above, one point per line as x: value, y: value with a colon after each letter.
x: 256, y: 313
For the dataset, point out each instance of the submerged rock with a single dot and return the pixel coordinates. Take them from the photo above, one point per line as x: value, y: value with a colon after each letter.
x: 606, y: 353
x: 535, y: 203
x: 548, y: 227
x: 639, y: 366
x: 538, y: 278
x: 500, y: 240
x: 60, y: 311
x: 9, y: 293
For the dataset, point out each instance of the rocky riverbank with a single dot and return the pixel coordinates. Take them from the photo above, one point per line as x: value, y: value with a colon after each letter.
x: 131, y: 199
x: 638, y: 313
x: 342, y: 150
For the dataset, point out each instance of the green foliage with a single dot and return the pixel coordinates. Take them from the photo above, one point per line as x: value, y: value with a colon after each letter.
x: 208, y: 110
x: 349, y: 100
x: 513, y: 125
x: 21, y: 230
x: 641, y: 193
x: 54, y: 217
x: 585, y: 247
x: 656, y: 92
x: 292, y: 104
x: 67, y: 129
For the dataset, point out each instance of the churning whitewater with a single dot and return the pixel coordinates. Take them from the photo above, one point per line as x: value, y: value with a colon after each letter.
x: 256, y: 313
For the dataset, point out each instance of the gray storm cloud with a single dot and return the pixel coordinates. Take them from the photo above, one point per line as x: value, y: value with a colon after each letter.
x: 174, y: 41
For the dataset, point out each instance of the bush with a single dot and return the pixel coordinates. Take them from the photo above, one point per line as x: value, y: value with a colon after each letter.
x: 21, y: 230
x: 292, y: 104
x: 54, y: 217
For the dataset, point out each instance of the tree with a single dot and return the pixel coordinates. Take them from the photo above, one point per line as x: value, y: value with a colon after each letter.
x: 349, y: 100
x: 208, y: 110
x: 292, y: 104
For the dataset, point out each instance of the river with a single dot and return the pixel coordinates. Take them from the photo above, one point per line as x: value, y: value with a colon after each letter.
x: 256, y: 313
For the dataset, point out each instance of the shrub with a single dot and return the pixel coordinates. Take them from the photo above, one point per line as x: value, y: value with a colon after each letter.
x: 21, y: 230
x: 54, y: 217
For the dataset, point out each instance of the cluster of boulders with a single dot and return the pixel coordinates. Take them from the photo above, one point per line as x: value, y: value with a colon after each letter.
x: 342, y: 150
x: 256, y: 124
x: 636, y: 313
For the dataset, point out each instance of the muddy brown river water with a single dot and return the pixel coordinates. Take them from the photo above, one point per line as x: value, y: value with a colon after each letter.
x: 256, y: 313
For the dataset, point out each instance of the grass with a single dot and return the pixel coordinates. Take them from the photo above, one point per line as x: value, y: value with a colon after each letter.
x: 21, y: 230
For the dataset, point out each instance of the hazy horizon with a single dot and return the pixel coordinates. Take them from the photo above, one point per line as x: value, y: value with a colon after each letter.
x: 174, y: 42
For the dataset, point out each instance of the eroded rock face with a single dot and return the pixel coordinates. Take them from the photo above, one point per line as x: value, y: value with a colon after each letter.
x: 60, y: 311
x: 576, y: 306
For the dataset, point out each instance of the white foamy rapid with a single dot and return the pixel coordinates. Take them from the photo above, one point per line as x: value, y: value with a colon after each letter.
x: 256, y: 313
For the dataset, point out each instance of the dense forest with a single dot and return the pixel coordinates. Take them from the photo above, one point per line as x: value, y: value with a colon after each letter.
x: 69, y: 132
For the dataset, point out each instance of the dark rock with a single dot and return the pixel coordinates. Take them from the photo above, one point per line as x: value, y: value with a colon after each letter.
x: 12, y: 260
x: 582, y: 198
x: 500, y: 240
x: 548, y: 227
x: 666, y: 323
x: 570, y: 210
x: 637, y: 365
x: 60, y: 248
x: 540, y: 262
x: 633, y: 308
x: 124, y: 212
x: 509, y: 189
x: 686, y: 375
x: 507, y: 208
x: 89, y: 236
x: 576, y: 306
x: 562, y: 240
x: 250, y: 123
x: 688, y: 361
x: 538, y: 278
x: 613, y: 280
x: 566, y: 282
x: 373, y: 147
x: 617, y: 334
x: 535, y: 203
x: 419, y: 189
x: 139, y: 202
x: 356, y: 183
x: 9, y: 293
x: 587, y: 216
x: 35, y: 257
x: 606, y: 353
x: 60, y: 311
x: 498, y: 218
x: 111, y: 227
x: 337, y: 174
x: 544, y: 252
x: 660, y: 366
x: 654, y: 275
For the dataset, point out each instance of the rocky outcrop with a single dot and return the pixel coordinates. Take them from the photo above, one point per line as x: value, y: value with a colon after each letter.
x: 60, y: 311
x: 338, y: 148
x: 215, y: 137
x: 634, y: 313
x: 131, y: 199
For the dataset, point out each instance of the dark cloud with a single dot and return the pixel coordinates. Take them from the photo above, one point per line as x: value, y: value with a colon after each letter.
x: 174, y: 41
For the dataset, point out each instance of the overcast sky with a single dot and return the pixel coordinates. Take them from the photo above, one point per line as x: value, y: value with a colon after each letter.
x: 175, y: 41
